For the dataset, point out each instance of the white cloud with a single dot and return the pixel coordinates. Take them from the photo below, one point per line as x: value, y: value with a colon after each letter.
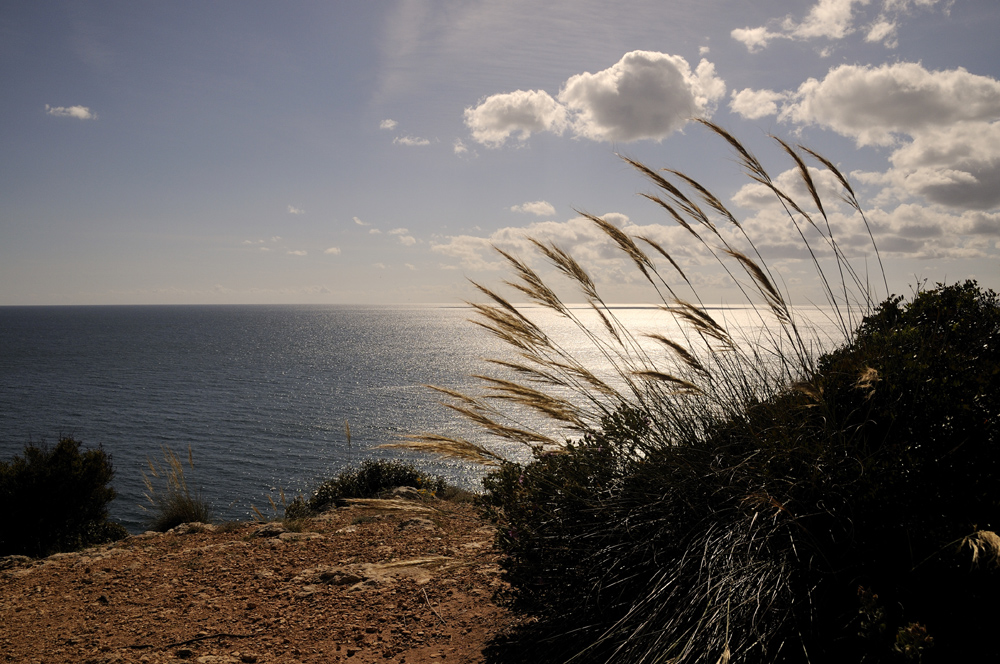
x: 294, y: 210
x: 410, y: 141
x: 360, y: 223
x: 410, y: 266
x: 537, y: 208
x: 333, y: 251
x: 883, y: 31
x: 944, y: 127
x: 388, y: 124
x: 79, y: 112
x: 754, y: 39
x: 374, y: 231
x: 579, y: 236
x: 956, y: 166
x: 459, y: 147
x: 645, y: 95
x: 874, y: 105
x: 833, y: 20
x: 704, y: 50
x: 495, y: 118
x: 296, y: 252
x: 754, y: 104
x: 404, y: 236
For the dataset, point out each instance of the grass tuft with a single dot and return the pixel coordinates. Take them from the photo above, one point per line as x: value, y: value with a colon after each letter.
x: 172, y: 503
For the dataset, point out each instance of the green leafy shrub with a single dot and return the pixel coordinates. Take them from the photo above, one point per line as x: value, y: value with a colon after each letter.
x: 173, y: 503
x: 58, y: 500
x: 373, y: 479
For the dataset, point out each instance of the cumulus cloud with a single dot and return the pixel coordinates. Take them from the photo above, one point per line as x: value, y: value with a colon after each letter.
x: 645, y: 95
x: 523, y: 112
x: 537, y: 208
x: 79, y: 112
x: 834, y: 20
x: 296, y: 252
x: 459, y: 147
x: 360, y: 223
x: 294, y: 210
x: 874, y: 105
x: 333, y: 251
x: 410, y: 141
x: 754, y: 104
x: 388, y: 124
x: 957, y: 166
x: 943, y: 126
x: 831, y: 19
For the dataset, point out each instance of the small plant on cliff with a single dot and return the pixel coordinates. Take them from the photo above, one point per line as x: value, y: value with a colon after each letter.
x: 58, y: 500
x: 174, y: 503
x: 373, y: 479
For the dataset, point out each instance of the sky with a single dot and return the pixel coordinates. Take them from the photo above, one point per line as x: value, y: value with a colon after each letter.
x: 374, y: 152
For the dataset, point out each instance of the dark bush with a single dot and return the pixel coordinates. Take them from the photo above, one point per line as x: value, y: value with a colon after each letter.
x: 57, y: 500
x: 851, y: 517
x: 373, y: 479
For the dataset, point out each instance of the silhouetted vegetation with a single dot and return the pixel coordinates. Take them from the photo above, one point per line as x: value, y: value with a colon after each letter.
x: 833, y: 522
x: 719, y: 497
x: 57, y: 500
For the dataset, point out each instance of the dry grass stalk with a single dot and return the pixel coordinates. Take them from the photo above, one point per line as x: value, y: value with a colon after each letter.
x: 985, y: 545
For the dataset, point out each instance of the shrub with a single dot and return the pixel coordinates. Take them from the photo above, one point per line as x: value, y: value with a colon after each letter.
x: 373, y: 479
x: 174, y: 504
x: 57, y: 499
x: 748, y: 498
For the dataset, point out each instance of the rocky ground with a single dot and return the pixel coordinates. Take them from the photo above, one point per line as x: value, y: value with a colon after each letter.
x: 400, y: 580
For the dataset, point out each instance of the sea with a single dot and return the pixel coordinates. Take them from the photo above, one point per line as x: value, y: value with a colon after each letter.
x: 258, y: 399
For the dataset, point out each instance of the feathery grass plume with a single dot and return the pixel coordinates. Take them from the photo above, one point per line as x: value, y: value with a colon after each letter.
x: 449, y: 447
x: 985, y: 545
x: 175, y: 503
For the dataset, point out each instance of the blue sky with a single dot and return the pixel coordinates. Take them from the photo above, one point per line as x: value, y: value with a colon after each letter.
x: 371, y: 152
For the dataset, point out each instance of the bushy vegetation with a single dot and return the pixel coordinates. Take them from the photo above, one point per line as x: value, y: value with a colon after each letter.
x: 727, y: 498
x: 57, y: 500
x: 374, y: 478
x: 172, y: 503
x: 830, y: 523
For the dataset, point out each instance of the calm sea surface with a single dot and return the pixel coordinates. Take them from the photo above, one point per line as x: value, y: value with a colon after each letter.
x: 259, y: 393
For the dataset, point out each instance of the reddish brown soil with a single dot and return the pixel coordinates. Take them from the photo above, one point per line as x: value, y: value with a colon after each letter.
x: 379, y: 581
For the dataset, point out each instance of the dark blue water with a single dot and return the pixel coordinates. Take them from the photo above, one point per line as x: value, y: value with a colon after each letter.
x: 259, y: 393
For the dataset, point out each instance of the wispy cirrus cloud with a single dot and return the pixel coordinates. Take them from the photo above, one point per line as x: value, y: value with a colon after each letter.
x: 78, y: 112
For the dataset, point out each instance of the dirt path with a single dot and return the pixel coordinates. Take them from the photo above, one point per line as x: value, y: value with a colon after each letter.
x: 379, y: 581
